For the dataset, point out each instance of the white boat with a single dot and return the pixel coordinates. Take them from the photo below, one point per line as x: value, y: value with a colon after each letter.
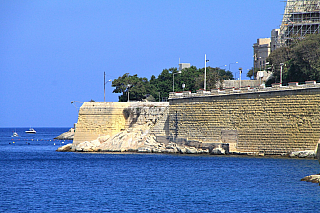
x: 15, y: 134
x: 30, y: 131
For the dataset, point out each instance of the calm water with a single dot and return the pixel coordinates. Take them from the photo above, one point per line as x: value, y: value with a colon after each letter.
x: 35, y: 178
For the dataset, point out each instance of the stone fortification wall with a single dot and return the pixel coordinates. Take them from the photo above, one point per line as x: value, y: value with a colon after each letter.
x: 97, y: 119
x: 236, y: 83
x: 268, y: 122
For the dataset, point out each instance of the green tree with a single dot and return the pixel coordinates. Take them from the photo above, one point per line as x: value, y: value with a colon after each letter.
x: 188, y: 77
x: 137, y: 87
x: 252, y: 73
x: 141, y: 88
x: 301, y: 61
x: 215, y: 78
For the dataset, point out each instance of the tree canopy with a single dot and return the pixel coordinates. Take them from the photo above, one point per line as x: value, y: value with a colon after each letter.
x: 159, y: 87
x: 301, y: 61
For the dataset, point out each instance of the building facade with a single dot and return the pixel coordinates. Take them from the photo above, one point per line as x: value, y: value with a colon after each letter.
x: 261, y: 51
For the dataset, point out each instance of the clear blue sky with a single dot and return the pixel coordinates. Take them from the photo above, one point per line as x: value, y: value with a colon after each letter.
x: 55, y: 52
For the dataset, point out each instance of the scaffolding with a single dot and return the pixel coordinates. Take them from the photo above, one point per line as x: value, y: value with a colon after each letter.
x: 301, y: 17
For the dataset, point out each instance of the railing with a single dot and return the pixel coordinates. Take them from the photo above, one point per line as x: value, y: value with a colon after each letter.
x: 247, y: 89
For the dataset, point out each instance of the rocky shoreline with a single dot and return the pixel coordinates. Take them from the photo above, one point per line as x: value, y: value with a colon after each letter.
x: 67, y: 135
x: 138, y: 140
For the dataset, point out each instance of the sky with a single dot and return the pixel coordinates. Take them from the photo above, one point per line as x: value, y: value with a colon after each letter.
x: 53, y: 52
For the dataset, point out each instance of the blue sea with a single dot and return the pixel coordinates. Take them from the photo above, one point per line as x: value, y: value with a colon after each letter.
x: 36, y: 178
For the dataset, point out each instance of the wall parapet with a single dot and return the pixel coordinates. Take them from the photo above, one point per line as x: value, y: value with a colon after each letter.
x: 244, y: 90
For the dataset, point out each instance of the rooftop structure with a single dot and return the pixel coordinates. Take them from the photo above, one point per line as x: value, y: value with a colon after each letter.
x: 183, y: 66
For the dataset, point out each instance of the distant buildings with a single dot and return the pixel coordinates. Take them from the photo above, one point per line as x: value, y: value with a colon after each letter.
x: 183, y: 66
x: 301, y: 17
x: 261, y: 51
x: 275, y: 33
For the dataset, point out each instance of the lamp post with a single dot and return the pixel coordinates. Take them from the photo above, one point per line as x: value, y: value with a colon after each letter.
x: 128, y: 86
x: 173, y: 79
x: 233, y: 63
x: 74, y: 104
x: 240, y: 71
x: 281, y: 64
x: 104, y: 86
x: 205, y: 72
x: 260, y: 62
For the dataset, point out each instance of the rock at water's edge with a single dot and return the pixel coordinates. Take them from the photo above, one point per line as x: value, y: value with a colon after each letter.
x: 303, y: 154
x: 218, y: 151
x: 67, y: 135
x: 312, y: 179
x: 65, y: 148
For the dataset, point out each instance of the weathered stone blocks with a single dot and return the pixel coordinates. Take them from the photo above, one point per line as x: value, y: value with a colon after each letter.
x: 272, y: 122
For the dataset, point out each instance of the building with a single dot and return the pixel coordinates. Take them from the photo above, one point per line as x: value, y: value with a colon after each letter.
x: 301, y: 17
x: 261, y: 51
x: 275, y: 42
x: 183, y: 66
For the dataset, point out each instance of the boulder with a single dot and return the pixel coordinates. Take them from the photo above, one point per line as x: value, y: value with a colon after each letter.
x: 191, y: 150
x: 144, y: 149
x: 65, y: 148
x: 218, y: 151
x: 312, y: 178
x: 303, y: 154
x: 67, y: 135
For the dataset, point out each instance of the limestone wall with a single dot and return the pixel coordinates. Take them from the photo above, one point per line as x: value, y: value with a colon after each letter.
x: 244, y: 83
x: 270, y: 122
x: 97, y: 119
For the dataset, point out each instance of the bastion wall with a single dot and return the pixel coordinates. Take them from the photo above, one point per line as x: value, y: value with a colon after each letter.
x: 269, y: 122
x: 97, y: 119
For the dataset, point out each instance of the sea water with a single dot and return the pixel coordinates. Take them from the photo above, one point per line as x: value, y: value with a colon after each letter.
x: 36, y: 178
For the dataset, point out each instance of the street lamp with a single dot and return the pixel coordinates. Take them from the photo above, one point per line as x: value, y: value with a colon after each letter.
x: 240, y: 71
x: 205, y: 72
x: 74, y: 104
x: 260, y: 62
x: 104, y: 86
x: 229, y: 67
x: 173, y: 79
x: 128, y: 86
x: 281, y: 64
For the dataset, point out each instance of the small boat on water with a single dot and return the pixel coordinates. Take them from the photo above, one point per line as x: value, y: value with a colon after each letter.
x: 15, y: 134
x: 30, y: 131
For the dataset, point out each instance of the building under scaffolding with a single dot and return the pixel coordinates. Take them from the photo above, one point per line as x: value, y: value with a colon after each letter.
x: 301, y: 17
